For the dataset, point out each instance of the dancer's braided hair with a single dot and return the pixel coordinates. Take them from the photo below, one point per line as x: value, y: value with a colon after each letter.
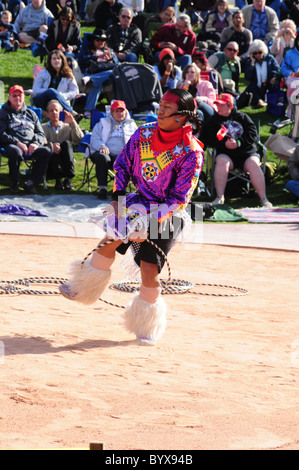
x: 187, y: 107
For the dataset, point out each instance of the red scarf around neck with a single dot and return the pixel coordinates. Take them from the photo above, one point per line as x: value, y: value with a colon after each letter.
x: 163, y: 140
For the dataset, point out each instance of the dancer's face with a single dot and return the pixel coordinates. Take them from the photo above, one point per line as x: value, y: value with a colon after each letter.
x: 167, y: 123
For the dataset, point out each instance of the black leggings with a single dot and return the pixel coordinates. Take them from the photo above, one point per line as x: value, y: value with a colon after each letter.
x: 146, y: 252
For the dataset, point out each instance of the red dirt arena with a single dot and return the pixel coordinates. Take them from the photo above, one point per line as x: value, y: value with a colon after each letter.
x: 224, y: 375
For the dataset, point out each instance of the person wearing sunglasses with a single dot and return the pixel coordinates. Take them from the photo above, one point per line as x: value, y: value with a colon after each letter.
x: 228, y: 64
x: 261, y: 69
x: 65, y: 33
x: 125, y: 38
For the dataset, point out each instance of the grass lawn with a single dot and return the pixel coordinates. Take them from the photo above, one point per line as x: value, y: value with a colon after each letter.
x: 17, y: 68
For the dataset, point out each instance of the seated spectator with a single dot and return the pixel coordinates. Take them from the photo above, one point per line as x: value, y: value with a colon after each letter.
x: 284, y: 40
x: 202, y: 90
x: 21, y: 134
x: 55, y: 6
x: 108, y: 139
x: 293, y: 167
x: 56, y: 82
x: 261, y: 20
x: 178, y: 37
x: 237, y: 33
x: 7, y: 33
x: 290, y: 72
x: 167, y: 15
x: 281, y: 7
x: 207, y: 72
x: 15, y: 6
x: 61, y: 136
x: 233, y: 135
x: 125, y: 38
x: 94, y: 51
x: 64, y: 33
x: 218, y: 19
x: 97, y: 62
x: 261, y: 70
x: 228, y: 64
x: 32, y: 22
x: 169, y: 74
x: 107, y: 13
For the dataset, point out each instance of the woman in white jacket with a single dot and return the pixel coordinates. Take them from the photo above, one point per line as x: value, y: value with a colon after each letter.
x: 108, y: 139
x: 55, y: 82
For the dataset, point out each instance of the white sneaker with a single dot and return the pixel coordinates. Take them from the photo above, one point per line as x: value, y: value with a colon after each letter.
x: 266, y: 203
x: 218, y: 200
x: 86, y: 80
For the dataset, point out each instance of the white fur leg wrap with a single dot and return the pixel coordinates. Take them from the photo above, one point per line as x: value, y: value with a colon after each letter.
x: 86, y: 282
x: 146, y: 320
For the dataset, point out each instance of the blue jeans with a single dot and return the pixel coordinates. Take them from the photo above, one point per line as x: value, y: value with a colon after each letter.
x: 131, y: 57
x: 6, y: 44
x: 42, y: 100
x: 205, y: 111
x: 97, y: 85
x: 293, y: 187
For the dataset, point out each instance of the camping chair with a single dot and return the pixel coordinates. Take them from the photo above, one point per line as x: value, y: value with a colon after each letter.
x: 84, y: 147
x: 235, y: 175
x: 26, y: 159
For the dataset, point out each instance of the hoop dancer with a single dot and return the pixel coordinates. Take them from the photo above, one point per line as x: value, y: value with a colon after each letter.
x: 163, y: 160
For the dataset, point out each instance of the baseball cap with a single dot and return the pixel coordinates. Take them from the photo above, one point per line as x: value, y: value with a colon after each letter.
x: 15, y: 88
x: 118, y: 104
x: 225, y: 98
x: 166, y: 52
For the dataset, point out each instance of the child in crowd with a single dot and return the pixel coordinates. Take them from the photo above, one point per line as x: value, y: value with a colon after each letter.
x: 7, y: 33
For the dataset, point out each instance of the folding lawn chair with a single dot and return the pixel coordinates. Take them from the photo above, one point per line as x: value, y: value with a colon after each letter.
x: 236, y: 176
x: 84, y: 147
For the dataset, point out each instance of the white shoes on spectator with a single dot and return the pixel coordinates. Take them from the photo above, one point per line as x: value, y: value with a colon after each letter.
x: 266, y: 204
x: 218, y: 200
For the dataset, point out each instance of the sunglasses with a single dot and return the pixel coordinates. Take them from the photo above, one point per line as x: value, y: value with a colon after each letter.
x: 232, y: 50
x: 257, y: 53
x: 126, y: 16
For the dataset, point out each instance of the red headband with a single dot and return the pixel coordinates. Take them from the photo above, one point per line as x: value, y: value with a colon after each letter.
x: 171, y: 98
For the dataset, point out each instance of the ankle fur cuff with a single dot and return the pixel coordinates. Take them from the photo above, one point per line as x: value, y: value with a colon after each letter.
x: 86, y: 282
x: 144, y: 319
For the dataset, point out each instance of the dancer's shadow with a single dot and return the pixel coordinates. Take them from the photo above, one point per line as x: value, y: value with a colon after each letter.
x: 37, y: 345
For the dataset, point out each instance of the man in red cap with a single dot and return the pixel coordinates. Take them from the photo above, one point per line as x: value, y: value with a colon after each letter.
x: 108, y: 139
x: 21, y: 135
x: 233, y: 135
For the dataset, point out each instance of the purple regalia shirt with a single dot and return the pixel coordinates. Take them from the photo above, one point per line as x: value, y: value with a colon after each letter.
x: 165, y: 178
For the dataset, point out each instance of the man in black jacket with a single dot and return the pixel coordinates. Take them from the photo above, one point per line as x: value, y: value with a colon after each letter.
x: 21, y: 135
x: 234, y: 135
x: 125, y: 38
x: 107, y: 13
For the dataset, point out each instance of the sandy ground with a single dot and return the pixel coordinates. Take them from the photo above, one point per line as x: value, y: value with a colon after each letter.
x: 224, y: 376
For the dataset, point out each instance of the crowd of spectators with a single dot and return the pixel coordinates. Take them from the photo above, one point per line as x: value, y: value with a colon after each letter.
x: 203, y: 47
